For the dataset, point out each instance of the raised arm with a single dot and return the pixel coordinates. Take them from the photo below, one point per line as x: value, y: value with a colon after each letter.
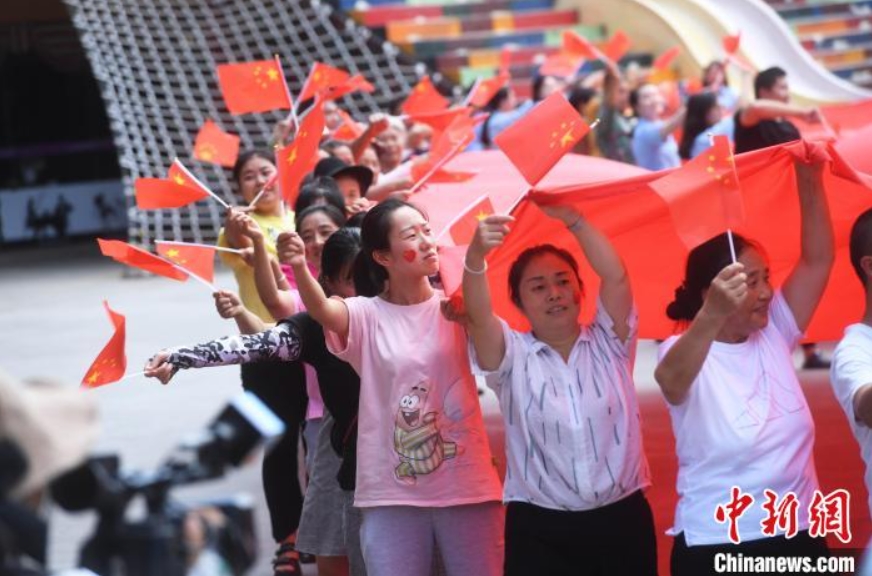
x: 679, y: 367
x: 280, y: 342
x: 482, y: 325
x: 805, y: 285
x: 331, y: 313
x: 765, y: 109
x: 673, y: 123
x: 378, y: 123
x: 615, y: 292
x: 279, y: 303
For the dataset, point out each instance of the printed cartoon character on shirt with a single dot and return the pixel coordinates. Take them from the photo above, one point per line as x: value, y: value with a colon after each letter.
x: 417, y: 438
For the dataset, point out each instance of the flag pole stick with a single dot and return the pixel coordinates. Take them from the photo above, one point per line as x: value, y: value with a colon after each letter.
x: 212, y: 287
x: 292, y: 115
x: 196, y: 245
x: 269, y: 183
x: 732, y: 245
x: 131, y: 375
x: 203, y: 186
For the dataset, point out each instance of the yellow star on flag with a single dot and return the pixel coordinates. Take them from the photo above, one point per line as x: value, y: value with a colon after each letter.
x: 206, y: 152
x: 95, y: 375
x: 293, y: 156
x: 481, y: 215
x: 173, y: 253
x: 273, y: 74
x: 179, y: 179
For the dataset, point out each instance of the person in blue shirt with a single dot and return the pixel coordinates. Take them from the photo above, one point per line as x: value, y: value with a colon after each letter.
x: 654, y: 147
x: 703, y: 121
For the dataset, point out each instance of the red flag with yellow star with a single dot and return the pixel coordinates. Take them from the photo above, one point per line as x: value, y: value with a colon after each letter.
x: 356, y: 83
x: 111, y: 363
x: 299, y: 157
x: 463, y: 229
x: 440, y: 120
x: 257, y: 86
x: 448, y: 144
x: 139, y: 258
x: 704, y: 197
x: 157, y: 193
x: 487, y: 89
x: 575, y: 43
x: 536, y: 142
x: 216, y: 146
x: 322, y: 77
x: 198, y: 260
x: 424, y: 98
x: 349, y: 130
x: 183, y: 177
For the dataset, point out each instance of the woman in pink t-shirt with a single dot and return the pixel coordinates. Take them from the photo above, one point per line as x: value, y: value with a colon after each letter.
x: 424, y: 470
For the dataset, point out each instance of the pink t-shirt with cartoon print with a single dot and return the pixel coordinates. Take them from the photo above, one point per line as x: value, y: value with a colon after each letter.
x: 421, y: 437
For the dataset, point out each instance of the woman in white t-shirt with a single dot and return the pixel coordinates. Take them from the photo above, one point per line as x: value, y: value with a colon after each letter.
x: 738, y: 413
x: 576, y: 467
x: 425, y: 474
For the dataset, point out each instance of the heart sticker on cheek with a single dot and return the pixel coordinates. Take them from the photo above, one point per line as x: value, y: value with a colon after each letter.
x: 409, y: 255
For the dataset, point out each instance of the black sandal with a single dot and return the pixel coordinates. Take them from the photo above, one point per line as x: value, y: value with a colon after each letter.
x: 286, y: 561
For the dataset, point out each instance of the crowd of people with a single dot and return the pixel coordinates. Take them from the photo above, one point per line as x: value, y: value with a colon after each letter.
x: 346, y: 334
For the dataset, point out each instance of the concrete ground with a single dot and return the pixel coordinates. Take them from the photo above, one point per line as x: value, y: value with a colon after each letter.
x: 52, y: 324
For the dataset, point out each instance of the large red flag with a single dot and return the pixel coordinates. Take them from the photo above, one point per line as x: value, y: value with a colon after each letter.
x: 322, y: 77
x: 111, y: 362
x: 156, y: 193
x: 139, y: 258
x: 257, y: 86
x: 617, y: 46
x: 463, y: 229
x: 216, y: 146
x: 537, y: 141
x: 704, y: 196
x: 299, y: 157
x: 198, y: 260
x: 424, y: 98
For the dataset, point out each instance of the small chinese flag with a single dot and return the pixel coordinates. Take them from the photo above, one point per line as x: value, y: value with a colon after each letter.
x: 731, y: 43
x: 536, y: 142
x: 349, y: 130
x: 665, y: 59
x: 487, y: 89
x: 322, y: 77
x: 446, y: 146
x: 441, y: 175
x: 617, y: 46
x: 451, y: 268
x: 463, y: 229
x: 257, y: 86
x: 562, y: 64
x: 198, y: 260
x: 299, y: 157
x: 216, y: 146
x: 111, y: 363
x: 183, y: 177
x: 139, y: 258
x: 424, y: 98
x: 704, y: 196
x: 439, y: 121
x: 575, y: 43
x: 356, y: 83
x: 156, y: 193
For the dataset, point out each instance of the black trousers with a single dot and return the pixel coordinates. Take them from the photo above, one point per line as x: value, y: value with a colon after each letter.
x: 700, y: 560
x: 282, y: 387
x: 614, y: 540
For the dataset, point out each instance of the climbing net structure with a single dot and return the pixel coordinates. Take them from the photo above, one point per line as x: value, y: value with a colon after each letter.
x: 155, y: 62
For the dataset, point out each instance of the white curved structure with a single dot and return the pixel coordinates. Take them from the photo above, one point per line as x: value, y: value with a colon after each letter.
x: 699, y: 25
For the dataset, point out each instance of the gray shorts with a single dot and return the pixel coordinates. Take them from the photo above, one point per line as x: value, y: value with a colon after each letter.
x: 321, y: 524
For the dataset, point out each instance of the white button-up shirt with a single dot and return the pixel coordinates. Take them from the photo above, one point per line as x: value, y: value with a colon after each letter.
x: 573, y: 434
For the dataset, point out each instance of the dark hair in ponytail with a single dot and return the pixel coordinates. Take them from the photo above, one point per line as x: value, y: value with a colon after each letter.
x: 492, y: 106
x: 369, y: 275
x: 704, y: 263
x: 340, y: 250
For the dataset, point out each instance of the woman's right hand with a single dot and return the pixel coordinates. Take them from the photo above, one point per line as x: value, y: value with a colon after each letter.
x: 158, y: 366
x: 250, y: 228
x: 727, y: 291
x: 291, y: 249
x: 490, y: 233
